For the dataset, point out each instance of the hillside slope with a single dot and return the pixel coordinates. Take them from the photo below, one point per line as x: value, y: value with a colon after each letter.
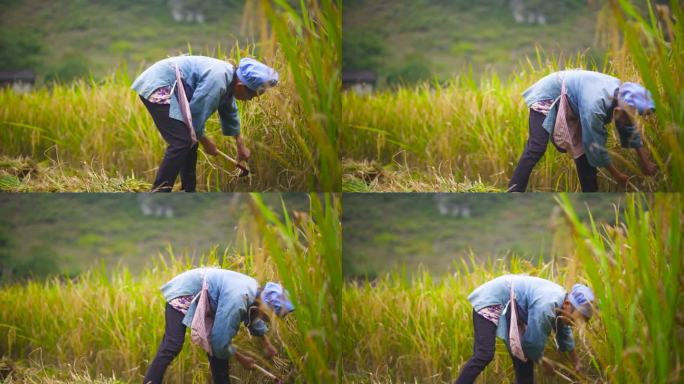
x: 413, y: 40
x: 44, y: 234
x: 69, y: 38
x: 383, y: 232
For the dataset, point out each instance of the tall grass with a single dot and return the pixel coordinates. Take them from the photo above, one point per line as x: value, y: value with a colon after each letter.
x: 653, y: 47
x: 310, y: 37
x: 307, y: 253
x: 471, y: 130
x: 108, y: 324
x: 635, y: 270
x: 291, y: 130
x: 419, y: 330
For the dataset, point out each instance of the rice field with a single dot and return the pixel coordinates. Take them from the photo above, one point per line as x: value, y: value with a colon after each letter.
x: 419, y: 330
x: 469, y: 129
x: 105, y: 325
x: 103, y: 126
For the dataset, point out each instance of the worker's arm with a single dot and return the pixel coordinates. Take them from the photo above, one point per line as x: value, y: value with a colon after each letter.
x: 244, y: 360
x: 566, y: 343
x: 269, y: 350
x: 594, y: 137
x: 208, y: 145
x: 205, y: 100
x: 243, y: 153
x: 539, y: 320
x: 547, y: 366
x: 574, y: 358
x: 230, y: 125
x: 210, y: 148
x: 630, y: 138
x: 229, y: 116
x: 620, y: 177
x: 594, y: 133
x: 647, y: 165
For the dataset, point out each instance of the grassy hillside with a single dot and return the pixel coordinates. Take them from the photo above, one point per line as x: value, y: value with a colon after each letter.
x: 412, y: 40
x: 384, y: 232
x: 69, y: 38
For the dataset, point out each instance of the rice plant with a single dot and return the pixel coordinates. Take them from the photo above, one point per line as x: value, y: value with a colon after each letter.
x: 399, y: 329
x: 105, y: 325
x: 476, y: 130
x: 635, y: 269
x: 307, y: 254
x: 310, y: 37
x: 654, y: 50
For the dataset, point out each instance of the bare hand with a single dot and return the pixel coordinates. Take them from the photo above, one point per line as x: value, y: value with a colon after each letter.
x: 243, y: 153
x: 209, y: 146
x: 574, y: 358
x: 246, y: 362
x: 622, y: 179
x: 270, y: 351
x: 547, y: 367
x: 649, y: 168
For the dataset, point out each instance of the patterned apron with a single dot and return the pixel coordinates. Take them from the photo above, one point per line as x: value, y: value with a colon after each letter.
x: 567, y: 131
x: 514, y: 333
x: 185, y: 105
x: 202, y: 321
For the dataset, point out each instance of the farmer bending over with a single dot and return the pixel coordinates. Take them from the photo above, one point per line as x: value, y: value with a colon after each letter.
x: 233, y: 298
x: 180, y: 112
x: 572, y: 108
x: 540, y: 307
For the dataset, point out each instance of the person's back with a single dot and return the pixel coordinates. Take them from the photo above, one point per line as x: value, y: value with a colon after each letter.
x: 540, y: 306
x: 193, y: 68
x: 190, y: 282
x: 529, y: 291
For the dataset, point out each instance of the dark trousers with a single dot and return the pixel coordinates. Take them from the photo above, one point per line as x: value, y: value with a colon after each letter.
x: 483, y: 353
x: 170, y: 347
x: 533, y: 152
x: 181, y: 153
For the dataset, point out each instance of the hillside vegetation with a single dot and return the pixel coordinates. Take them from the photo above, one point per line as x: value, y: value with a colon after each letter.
x: 392, y: 232
x: 408, y: 40
x: 64, y: 39
x: 43, y: 235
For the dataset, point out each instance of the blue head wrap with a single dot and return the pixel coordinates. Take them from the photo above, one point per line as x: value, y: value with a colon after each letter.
x: 256, y: 75
x: 582, y: 298
x: 275, y: 297
x: 636, y: 96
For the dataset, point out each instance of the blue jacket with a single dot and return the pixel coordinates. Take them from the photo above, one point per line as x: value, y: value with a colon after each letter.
x: 208, y: 81
x: 538, y: 300
x: 591, y: 97
x: 230, y: 295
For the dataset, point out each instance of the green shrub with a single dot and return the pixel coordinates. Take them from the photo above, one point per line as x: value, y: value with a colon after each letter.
x: 20, y: 48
